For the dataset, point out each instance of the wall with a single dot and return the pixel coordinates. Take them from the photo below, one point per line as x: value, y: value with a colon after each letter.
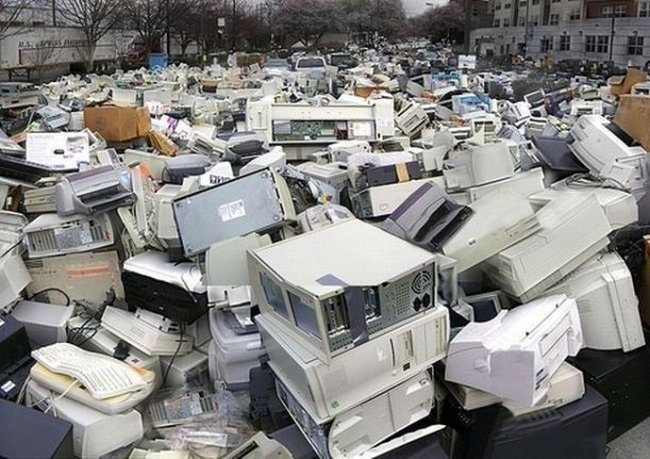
x: 501, y: 38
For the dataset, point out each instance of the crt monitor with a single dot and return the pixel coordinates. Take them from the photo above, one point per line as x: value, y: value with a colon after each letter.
x: 535, y: 98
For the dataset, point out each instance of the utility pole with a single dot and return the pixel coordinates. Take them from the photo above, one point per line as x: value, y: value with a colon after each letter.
x: 54, y: 13
x: 611, y: 39
x: 167, y: 33
x: 468, y: 25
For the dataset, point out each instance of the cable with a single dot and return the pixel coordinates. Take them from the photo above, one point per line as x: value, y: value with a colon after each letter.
x: 178, y: 349
x: 11, y: 247
x: 63, y: 394
x: 52, y: 289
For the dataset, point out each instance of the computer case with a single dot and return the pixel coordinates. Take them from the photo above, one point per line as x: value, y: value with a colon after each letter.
x: 355, y: 431
x: 252, y: 203
x: 82, y: 276
x: 15, y: 357
x: 332, y: 306
x: 187, y: 370
x: 174, y: 290
x: 623, y: 379
x: 51, y: 234
x: 357, y: 375
x: 574, y: 431
x: 45, y: 323
x: 95, y: 433
x: 28, y: 433
x: 40, y: 200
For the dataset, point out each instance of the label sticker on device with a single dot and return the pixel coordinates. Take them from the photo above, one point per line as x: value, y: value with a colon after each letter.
x: 6, y: 387
x: 232, y: 210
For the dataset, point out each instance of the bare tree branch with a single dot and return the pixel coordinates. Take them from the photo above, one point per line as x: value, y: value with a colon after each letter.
x: 15, y: 17
x: 95, y: 18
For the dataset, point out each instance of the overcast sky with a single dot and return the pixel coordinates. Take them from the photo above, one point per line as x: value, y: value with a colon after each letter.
x: 415, y: 7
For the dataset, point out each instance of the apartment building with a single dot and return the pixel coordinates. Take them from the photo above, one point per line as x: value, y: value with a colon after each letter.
x: 595, y: 30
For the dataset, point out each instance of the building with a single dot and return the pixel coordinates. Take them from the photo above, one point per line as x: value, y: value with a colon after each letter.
x: 594, y: 30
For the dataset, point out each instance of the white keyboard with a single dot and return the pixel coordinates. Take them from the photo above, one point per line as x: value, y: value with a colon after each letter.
x: 101, y: 375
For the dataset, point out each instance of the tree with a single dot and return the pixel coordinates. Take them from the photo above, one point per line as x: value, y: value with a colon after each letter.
x: 42, y: 56
x: 95, y: 18
x: 386, y: 17
x: 149, y: 19
x: 183, y: 23
x: 442, y: 23
x: 309, y: 20
x: 14, y: 14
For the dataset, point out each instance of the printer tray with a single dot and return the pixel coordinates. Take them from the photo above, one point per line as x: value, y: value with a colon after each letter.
x: 623, y: 379
x: 173, y: 302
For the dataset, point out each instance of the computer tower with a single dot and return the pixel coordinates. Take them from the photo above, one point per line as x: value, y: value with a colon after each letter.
x: 83, y: 276
x: 574, y: 431
x: 623, y: 379
x: 15, y: 357
x: 28, y: 433
x: 94, y: 433
x: 45, y: 323
x: 256, y: 202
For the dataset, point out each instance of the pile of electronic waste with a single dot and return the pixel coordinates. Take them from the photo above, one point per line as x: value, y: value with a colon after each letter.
x: 402, y: 270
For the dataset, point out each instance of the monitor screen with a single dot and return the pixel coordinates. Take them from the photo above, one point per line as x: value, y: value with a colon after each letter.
x: 485, y: 307
x: 535, y: 98
x: 305, y: 316
x: 274, y: 296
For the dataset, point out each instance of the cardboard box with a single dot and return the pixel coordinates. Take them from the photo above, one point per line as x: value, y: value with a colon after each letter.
x: 161, y: 143
x: 619, y: 86
x: 117, y: 123
x: 633, y: 117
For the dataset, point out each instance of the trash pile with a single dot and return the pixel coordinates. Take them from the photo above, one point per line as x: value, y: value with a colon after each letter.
x: 331, y: 261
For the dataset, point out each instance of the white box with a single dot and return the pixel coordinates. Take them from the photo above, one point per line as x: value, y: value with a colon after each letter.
x: 361, y: 373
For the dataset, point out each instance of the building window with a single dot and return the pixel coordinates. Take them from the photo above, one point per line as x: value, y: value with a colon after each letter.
x: 565, y: 43
x: 590, y: 43
x: 555, y: 19
x: 534, y: 20
x: 497, y: 7
x: 546, y: 45
x: 574, y: 15
x: 635, y: 45
x: 506, y: 22
x: 522, y: 3
x: 617, y: 11
x: 644, y: 9
x: 535, y: 2
x: 507, y: 6
x: 497, y: 23
x: 556, y: 1
x: 602, y: 45
x: 522, y: 21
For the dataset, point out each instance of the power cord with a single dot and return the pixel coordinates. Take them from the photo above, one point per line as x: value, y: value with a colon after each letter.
x: 178, y: 349
x: 52, y: 289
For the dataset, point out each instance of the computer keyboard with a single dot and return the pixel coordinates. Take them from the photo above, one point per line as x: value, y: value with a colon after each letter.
x: 101, y: 375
